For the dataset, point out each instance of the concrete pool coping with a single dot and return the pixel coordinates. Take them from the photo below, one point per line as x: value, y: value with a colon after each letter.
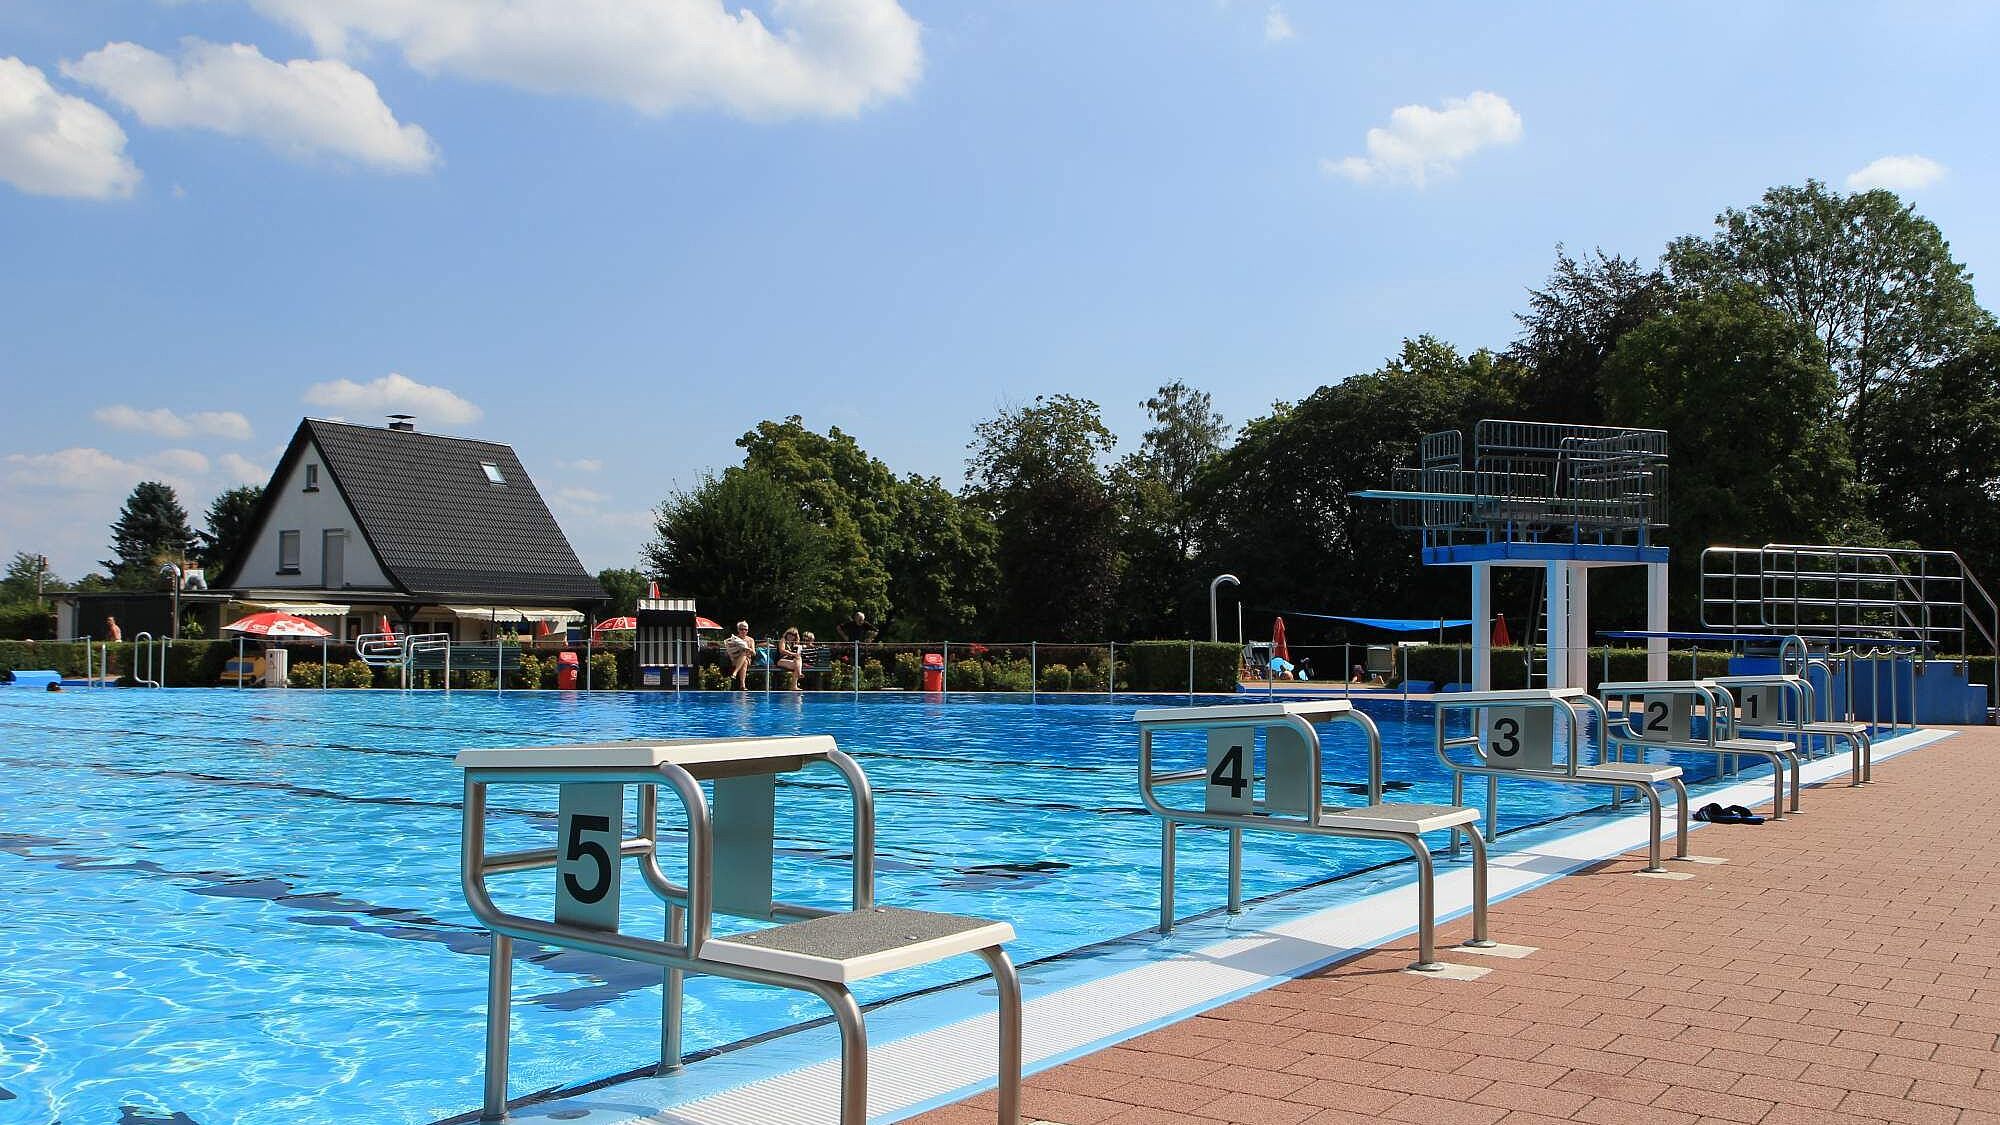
x: 936, y: 1048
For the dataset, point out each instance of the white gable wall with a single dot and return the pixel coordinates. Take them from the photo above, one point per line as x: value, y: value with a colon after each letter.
x: 311, y: 514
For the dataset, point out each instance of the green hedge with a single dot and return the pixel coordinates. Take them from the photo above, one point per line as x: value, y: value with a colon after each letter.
x: 1163, y: 666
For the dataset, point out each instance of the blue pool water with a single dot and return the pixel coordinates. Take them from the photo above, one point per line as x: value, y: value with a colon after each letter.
x: 227, y: 906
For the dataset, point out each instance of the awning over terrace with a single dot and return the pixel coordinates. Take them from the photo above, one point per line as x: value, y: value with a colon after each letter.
x: 515, y: 615
x: 302, y: 609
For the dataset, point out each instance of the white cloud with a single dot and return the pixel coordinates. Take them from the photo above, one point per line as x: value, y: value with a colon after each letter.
x: 56, y: 144
x: 302, y: 107
x: 395, y: 394
x: 1277, y: 25
x: 242, y: 470
x: 167, y: 424
x: 1897, y: 173
x: 582, y: 465
x: 818, y: 58
x: 88, y: 469
x: 1421, y: 142
x: 581, y: 497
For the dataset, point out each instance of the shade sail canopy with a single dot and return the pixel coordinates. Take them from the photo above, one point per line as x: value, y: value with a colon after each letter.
x: 1392, y: 624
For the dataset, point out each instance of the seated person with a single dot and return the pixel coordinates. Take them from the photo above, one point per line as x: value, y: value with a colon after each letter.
x: 737, y: 648
x: 790, y: 657
x: 1359, y: 676
x: 1281, y: 669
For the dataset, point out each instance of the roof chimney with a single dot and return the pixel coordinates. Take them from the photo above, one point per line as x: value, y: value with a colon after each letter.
x: 402, y: 422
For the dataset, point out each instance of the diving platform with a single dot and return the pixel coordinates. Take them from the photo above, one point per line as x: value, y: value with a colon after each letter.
x: 1565, y: 498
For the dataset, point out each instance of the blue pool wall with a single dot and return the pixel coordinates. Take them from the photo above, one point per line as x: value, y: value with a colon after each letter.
x: 1944, y: 695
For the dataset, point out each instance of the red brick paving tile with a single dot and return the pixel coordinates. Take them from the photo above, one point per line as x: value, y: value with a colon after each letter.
x: 1798, y: 1115
x: 1605, y: 1111
x: 1513, y: 1070
x: 1425, y: 1110
x: 1965, y: 1097
x: 1706, y: 1103
x: 1161, y: 1093
x: 1257, y: 1110
x: 1535, y: 1099
x: 1898, y: 1109
x: 1336, y: 1116
x: 1328, y: 1094
x: 1782, y: 1092
x: 1147, y: 1115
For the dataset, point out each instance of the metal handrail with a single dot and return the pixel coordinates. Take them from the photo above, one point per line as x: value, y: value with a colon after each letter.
x: 148, y: 669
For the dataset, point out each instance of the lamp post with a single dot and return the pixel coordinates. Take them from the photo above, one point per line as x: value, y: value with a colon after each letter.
x: 177, y: 575
x: 1214, y: 622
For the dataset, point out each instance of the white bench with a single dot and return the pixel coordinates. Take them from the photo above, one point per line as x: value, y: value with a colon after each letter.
x: 1292, y: 801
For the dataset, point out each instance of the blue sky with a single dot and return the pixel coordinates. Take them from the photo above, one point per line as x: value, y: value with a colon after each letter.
x: 618, y: 233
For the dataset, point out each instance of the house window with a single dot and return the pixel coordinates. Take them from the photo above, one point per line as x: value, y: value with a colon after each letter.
x: 492, y: 473
x: 288, y: 552
x: 312, y: 478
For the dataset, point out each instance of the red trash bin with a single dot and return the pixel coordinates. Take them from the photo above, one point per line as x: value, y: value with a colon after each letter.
x: 567, y: 670
x: 934, y: 671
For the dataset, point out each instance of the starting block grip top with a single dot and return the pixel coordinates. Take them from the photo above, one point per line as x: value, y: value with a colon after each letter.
x: 1242, y: 714
x: 702, y: 757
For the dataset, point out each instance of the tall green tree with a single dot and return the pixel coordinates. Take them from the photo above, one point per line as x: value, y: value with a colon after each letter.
x: 29, y: 579
x: 853, y: 499
x: 740, y: 543
x: 908, y: 553
x: 943, y: 573
x: 1276, y: 508
x: 1935, y: 449
x: 228, y: 519
x: 1753, y: 414
x: 1036, y: 470
x: 1154, y: 487
x: 624, y: 586
x: 1573, y: 323
x: 1870, y: 278
x: 151, y: 529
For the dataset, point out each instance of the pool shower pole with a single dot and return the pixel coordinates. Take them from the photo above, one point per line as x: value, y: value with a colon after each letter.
x: 1214, y: 623
x: 1190, y: 672
x: 1034, y: 673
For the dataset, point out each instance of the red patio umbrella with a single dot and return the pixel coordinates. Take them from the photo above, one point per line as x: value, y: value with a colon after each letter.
x: 1501, y: 638
x: 1279, y: 648
x: 275, y: 625
x: 613, y: 624
x: 704, y: 625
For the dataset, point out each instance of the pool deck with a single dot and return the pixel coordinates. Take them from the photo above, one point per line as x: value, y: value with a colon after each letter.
x: 1843, y: 966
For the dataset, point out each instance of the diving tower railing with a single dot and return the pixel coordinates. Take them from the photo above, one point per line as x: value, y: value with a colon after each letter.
x: 1852, y: 597
x: 1532, y: 482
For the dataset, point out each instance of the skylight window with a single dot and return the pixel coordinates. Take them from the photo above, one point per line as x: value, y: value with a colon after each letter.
x: 492, y: 473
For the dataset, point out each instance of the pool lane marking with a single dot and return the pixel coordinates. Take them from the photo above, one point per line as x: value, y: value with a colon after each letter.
x: 934, y: 1050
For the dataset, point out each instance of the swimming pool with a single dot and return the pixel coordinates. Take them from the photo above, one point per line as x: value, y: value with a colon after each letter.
x: 234, y: 906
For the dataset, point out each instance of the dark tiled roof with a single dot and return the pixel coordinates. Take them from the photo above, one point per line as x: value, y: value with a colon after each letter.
x: 439, y: 527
